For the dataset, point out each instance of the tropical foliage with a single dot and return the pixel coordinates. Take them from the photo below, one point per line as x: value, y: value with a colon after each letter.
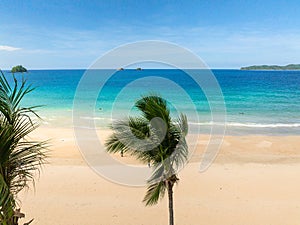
x: 156, y: 139
x: 272, y: 67
x: 18, y: 69
x: 20, y: 157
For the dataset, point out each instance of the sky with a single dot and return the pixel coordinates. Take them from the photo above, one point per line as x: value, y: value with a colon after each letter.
x: 71, y: 34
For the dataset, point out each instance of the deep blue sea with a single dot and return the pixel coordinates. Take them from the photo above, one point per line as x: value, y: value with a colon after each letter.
x: 257, y: 102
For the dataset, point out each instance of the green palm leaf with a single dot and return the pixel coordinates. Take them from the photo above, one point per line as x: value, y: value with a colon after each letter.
x: 154, y: 193
x: 6, y: 202
x: 19, y: 157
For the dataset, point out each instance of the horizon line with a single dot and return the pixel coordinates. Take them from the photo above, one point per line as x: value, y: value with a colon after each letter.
x: 128, y: 69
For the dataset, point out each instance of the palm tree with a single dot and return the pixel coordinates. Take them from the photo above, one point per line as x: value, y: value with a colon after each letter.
x: 20, y: 158
x: 153, y: 137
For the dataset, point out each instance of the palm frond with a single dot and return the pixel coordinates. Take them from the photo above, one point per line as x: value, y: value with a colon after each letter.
x: 154, y: 106
x: 6, y: 202
x: 154, y: 193
x: 4, y: 83
x: 183, y: 124
x: 19, y: 157
x: 134, y: 135
x: 114, y: 145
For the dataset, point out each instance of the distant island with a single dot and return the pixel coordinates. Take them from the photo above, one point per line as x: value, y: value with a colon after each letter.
x: 273, y: 67
x: 18, y: 69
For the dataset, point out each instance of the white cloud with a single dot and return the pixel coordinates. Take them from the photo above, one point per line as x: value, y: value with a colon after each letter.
x: 8, y: 48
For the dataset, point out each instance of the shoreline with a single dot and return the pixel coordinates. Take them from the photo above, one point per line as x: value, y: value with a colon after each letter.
x: 234, y: 148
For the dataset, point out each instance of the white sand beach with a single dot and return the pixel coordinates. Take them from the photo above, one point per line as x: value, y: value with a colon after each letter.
x: 254, y: 180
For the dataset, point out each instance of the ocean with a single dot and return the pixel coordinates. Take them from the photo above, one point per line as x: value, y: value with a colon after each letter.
x: 257, y: 102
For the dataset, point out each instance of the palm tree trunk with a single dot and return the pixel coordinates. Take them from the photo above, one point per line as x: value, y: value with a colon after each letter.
x: 171, y: 210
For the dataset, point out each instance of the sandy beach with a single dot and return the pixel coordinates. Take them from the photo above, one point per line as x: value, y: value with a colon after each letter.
x: 254, y: 180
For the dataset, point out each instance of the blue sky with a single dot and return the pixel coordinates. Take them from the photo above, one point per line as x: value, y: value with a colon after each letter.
x: 73, y: 34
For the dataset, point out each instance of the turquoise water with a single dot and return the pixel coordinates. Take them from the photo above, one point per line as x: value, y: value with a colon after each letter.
x: 257, y: 102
